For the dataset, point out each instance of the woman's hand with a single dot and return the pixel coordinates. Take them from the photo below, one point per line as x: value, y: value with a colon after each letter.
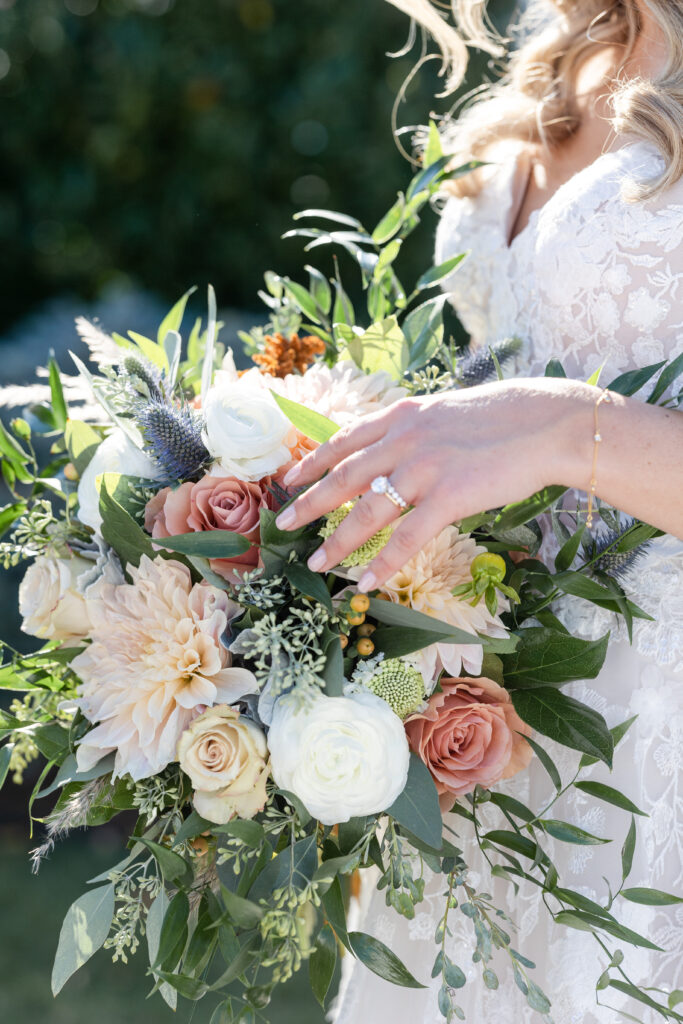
x: 450, y: 456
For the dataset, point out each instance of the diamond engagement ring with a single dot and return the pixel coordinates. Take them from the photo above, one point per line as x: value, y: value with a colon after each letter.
x: 382, y: 485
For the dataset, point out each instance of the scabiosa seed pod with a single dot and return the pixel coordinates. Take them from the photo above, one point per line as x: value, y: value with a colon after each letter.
x: 174, y: 436
x: 479, y: 365
x: 401, y: 685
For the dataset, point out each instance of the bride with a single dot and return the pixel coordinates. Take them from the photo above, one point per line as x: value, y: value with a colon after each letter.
x: 575, y: 234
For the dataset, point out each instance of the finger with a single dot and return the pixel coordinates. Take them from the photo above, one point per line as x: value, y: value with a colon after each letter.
x: 415, y: 530
x: 368, y: 517
x: 345, y: 442
x: 346, y: 481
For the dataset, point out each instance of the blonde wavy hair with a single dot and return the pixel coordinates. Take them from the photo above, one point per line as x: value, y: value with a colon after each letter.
x: 535, y: 99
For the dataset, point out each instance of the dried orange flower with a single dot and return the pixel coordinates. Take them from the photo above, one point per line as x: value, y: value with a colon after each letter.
x: 283, y: 356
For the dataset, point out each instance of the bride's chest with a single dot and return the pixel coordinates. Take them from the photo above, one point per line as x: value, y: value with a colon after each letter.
x: 591, y: 279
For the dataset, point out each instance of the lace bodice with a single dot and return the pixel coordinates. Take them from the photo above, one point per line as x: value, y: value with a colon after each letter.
x: 591, y: 280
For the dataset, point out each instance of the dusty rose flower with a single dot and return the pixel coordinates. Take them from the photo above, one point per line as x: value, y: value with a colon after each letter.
x: 226, y: 757
x: 214, y: 503
x: 156, y: 657
x: 468, y: 736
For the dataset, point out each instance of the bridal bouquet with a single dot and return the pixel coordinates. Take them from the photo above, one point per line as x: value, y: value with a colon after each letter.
x: 269, y: 731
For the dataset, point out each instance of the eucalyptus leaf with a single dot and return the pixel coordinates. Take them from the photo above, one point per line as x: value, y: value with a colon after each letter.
x: 417, y: 807
x: 650, y: 897
x: 610, y: 795
x: 380, y: 959
x: 83, y: 932
x: 568, y: 833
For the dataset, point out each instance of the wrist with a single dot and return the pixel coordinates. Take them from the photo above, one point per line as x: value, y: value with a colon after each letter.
x: 571, y: 456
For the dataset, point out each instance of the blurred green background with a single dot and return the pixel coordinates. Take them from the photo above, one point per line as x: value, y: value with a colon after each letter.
x: 145, y: 146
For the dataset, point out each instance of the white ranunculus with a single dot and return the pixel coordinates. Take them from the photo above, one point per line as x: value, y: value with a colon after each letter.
x: 116, y: 454
x: 343, y: 757
x: 50, y: 601
x: 245, y: 431
x: 226, y: 757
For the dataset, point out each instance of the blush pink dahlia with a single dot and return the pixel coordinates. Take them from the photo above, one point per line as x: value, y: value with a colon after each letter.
x: 156, y: 659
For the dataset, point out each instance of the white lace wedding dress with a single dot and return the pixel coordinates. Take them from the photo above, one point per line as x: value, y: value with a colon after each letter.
x: 591, y: 280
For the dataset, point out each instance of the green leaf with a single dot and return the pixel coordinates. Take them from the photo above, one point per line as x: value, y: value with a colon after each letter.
x: 150, y: 350
x: 618, y: 732
x: 650, y: 897
x: 174, y: 868
x: 423, y: 330
x: 297, y: 862
x: 119, y: 529
x: 547, y: 657
x: 433, y: 149
x: 589, y: 922
x: 174, y: 318
x: 173, y: 934
x: 417, y: 807
x: 555, y: 369
x: 390, y: 222
x: 52, y: 740
x: 193, y: 826
x: 10, y: 513
x: 320, y: 289
x: 302, y: 298
x: 631, y: 990
x: 322, y: 963
x: 81, y: 442
x: 209, y: 342
x: 69, y: 772
x: 386, y: 257
x: 249, y: 832
x: 565, y: 720
x: 514, y: 841
x: 397, y: 641
x: 311, y: 423
x: 382, y: 347
x: 666, y: 378
x: 241, y: 912
x: 59, y: 406
x: 207, y: 544
x: 397, y: 615
x: 333, y: 902
x: 342, y: 312
x: 520, y: 512
x: 628, y: 850
x: 83, y: 932
x: 155, y: 919
x: 5, y: 758
x: 629, y: 383
x: 333, y: 673
x: 189, y: 988
x: 437, y: 273
x: 428, y: 176
x: 308, y: 583
x: 609, y: 795
x: 379, y: 959
x: 568, y: 833
x: 567, y: 553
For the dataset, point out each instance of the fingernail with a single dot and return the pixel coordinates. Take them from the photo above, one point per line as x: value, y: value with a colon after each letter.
x: 293, y: 475
x: 368, y: 581
x: 317, y: 560
x: 286, y: 519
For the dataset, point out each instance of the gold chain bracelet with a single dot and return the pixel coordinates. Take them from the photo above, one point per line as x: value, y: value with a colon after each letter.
x: 597, y: 438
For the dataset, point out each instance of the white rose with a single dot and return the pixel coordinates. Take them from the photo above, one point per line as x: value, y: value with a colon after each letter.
x: 344, y: 757
x: 116, y: 454
x: 245, y: 431
x: 50, y: 602
x: 226, y: 757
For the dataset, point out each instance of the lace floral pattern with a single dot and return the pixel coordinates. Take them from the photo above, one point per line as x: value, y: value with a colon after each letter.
x: 591, y: 280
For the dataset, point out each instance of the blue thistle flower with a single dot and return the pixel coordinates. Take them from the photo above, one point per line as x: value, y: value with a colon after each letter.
x: 144, y: 373
x: 617, y: 564
x: 174, y: 436
x: 478, y: 366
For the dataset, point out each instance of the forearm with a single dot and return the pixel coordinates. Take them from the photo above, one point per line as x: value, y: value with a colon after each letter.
x: 640, y: 457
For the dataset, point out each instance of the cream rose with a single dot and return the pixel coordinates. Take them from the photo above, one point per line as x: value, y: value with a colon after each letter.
x: 49, y: 599
x: 226, y: 757
x: 116, y: 454
x: 343, y: 757
x: 245, y: 431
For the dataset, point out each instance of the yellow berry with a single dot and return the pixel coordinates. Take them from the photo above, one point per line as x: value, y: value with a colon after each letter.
x: 490, y: 565
x: 360, y: 602
x: 344, y: 641
x: 70, y: 471
x: 382, y: 597
x: 365, y: 646
x: 200, y: 845
x: 367, y: 629
x: 355, y: 618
